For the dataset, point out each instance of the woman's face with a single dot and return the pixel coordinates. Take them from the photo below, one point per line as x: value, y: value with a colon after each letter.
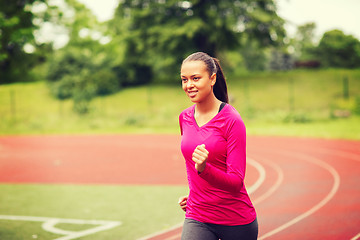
x: 196, y: 81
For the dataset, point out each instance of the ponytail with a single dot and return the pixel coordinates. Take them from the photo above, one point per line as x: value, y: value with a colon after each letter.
x: 213, y: 66
x: 220, y: 88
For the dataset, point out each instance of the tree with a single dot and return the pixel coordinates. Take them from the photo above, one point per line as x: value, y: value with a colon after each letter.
x: 20, y: 50
x: 254, y: 57
x: 158, y: 34
x: 84, y: 67
x: 16, y: 30
x: 339, y: 50
x: 304, y: 42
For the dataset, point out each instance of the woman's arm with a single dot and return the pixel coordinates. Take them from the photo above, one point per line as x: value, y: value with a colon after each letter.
x: 233, y: 179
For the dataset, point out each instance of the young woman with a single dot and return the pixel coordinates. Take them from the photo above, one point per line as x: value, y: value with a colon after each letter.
x: 214, y: 147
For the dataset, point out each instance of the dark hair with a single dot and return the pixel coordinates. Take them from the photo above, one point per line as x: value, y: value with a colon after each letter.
x: 213, y: 66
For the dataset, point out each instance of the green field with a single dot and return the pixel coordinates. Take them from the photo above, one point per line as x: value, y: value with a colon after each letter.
x: 296, y: 103
x: 141, y: 209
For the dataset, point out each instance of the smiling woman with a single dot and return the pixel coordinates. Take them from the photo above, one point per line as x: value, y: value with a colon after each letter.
x: 202, y: 66
x: 196, y: 81
x: 204, y: 83
x: 214, y: 147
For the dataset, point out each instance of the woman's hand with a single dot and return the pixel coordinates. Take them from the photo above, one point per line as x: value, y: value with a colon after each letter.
x: 182, y: 202
x: 200, y: 156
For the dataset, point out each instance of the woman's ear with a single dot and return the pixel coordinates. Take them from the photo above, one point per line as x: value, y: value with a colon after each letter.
x: 213, y: 79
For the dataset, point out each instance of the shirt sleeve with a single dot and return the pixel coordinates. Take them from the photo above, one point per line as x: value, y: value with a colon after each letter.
x: 180, y: 123
x: 233, y: 179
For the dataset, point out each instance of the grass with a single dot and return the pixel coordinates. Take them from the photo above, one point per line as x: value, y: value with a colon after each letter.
x: 141, y: 209
x: 281, y: 103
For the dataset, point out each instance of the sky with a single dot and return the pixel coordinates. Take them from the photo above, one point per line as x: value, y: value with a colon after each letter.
x: 327, y: 14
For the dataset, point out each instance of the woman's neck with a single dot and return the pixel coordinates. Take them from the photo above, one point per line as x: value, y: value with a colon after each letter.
x: 209, y: 105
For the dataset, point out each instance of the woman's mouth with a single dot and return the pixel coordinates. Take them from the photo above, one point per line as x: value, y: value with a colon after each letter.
x: 192, y: 93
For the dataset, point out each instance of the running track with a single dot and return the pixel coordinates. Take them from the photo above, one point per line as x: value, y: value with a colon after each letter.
x: 301, y: 188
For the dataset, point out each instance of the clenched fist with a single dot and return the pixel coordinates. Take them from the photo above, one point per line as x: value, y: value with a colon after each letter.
x: 200, y: 156
x: 182, y: 202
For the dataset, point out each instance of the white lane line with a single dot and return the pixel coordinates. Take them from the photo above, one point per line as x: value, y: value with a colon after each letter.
x: 357, y: 237
x: 324, y: 201
x: 274, y: 187
x: 254, y: 187
x: 49, y: 225
x: 262, y: 175
x: 250, y: 189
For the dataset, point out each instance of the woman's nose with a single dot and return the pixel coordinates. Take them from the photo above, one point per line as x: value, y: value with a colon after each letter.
x: 190, y: 84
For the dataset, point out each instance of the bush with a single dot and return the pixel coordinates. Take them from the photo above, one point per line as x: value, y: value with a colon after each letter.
x: 105, y: 82
x: 81, y: 74
x: 339, y: 50
x: 63, y: 88
x: 357, y: 105
x: 82, y: 98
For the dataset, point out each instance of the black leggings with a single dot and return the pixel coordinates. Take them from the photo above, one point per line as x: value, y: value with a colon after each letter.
x: 195, y: 230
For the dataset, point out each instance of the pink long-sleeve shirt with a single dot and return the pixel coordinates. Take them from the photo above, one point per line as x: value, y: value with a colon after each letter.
x: 217, y: 195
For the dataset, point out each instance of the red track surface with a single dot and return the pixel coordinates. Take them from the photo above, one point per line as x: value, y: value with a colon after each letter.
x: 311, y: 187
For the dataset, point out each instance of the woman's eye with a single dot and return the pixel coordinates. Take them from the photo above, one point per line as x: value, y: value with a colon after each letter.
x: 184, y: 79
x: 196, y: 78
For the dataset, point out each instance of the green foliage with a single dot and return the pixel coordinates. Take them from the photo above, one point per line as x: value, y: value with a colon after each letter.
x: 82, y: 19
x: 85, y: 67
x: 254, y: 57
x: 159, y: 34
x: 335, y: 49
x: 16, y: 32
x: 81, y: 74
x: 279, y: 60
x: 63, y: 88
x: 303, y: 43
x: 82, y: 94
x: 339, y: 50
x: 88, y: 65
x: 357, y: 105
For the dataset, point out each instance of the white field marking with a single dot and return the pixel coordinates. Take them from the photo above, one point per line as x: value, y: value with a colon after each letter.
x: 49, y: 225
x: 356, y: 237
x: 325, y: 200
x: 250, y: 189
x: 273, y: 188
x: 261, y: 178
